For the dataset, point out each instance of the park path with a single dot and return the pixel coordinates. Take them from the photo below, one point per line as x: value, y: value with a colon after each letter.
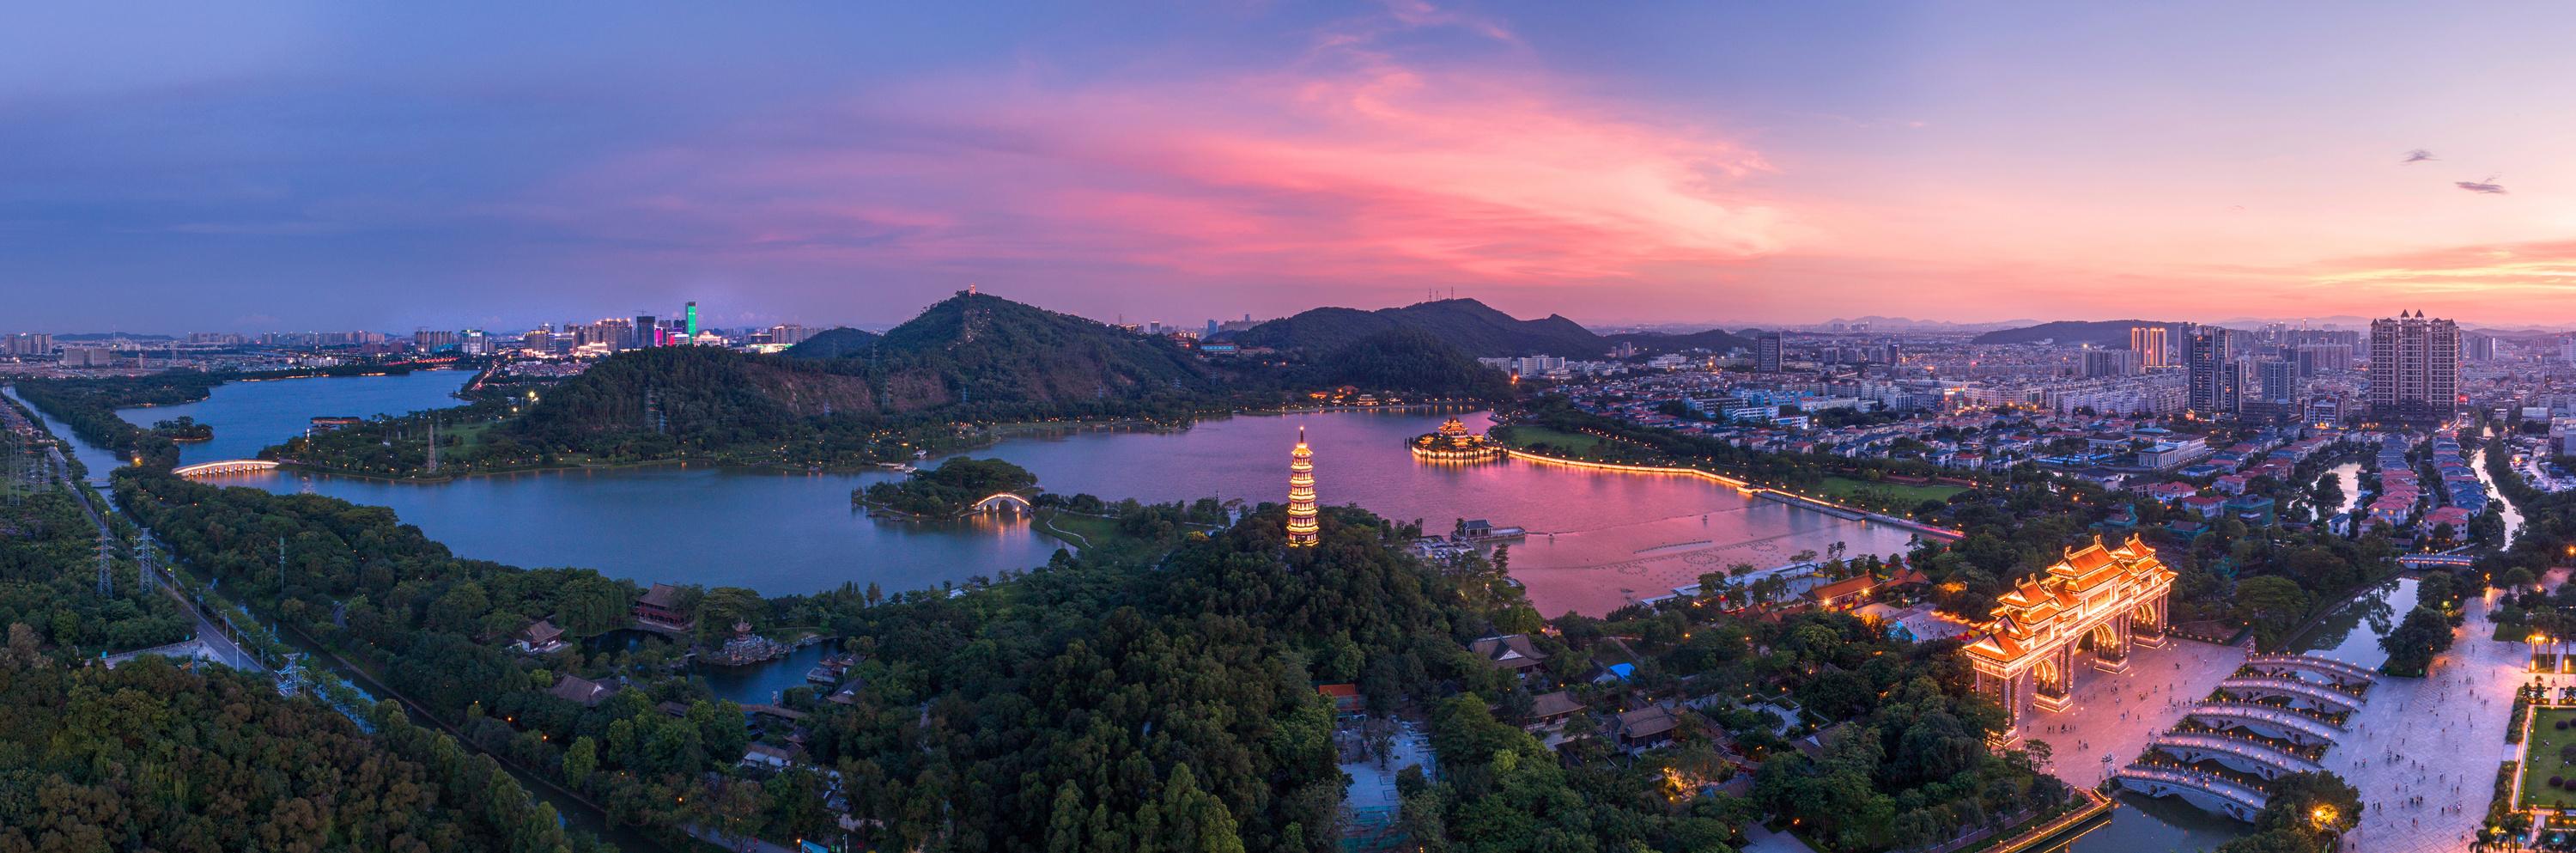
x: 2439, y: 738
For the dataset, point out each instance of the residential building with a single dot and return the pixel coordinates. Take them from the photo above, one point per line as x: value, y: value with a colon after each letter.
x: 2414, y: 368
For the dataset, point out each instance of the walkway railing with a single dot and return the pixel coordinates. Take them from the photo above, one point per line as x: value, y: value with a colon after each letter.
x: 2275, y: 685
x: 2243, y: 747
x: 2313, y: 663
x: 2266, y: 714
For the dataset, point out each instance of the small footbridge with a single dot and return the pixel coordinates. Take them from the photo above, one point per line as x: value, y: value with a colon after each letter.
x: 2241, y: 754
x: 2296, y: 691
x: 2209, y: 791
x: 224, y: 466
x: 1003, y: 502
x: 2267, y: 720
x: 2313, y: 668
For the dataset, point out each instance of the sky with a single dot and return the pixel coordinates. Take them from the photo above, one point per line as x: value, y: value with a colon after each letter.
x: 246, y: 167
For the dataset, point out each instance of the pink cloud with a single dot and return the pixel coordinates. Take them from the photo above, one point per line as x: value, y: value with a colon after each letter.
x: 1351, y: 167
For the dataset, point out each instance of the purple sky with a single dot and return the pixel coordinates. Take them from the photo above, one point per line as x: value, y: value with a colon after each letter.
x: 189, y: 167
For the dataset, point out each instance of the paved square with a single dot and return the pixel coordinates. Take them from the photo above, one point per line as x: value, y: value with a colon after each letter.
x: 2115, y: 713
x: 2438, y: 738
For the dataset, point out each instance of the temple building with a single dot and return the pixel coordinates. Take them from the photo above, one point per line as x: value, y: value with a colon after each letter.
x: 1452, y: 442
x: 1301, y: 494
x: 2098, y: 599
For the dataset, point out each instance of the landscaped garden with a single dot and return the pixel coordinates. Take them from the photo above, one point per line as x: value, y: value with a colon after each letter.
x: 2549, y: 763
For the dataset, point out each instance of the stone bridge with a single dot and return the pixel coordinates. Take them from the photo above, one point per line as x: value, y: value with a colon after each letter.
x: 2241, y: 754
x: 2295, y: 690
x: 2208, y: 791
x: 2268, y: 721
x: 1003, y: 502
x: 223, y: 466
x: 2338, y: 672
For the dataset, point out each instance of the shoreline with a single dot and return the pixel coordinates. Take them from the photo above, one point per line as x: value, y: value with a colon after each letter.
x: 1003, y: 432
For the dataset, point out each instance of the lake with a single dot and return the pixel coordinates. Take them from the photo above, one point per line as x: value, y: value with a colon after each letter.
x: 1599, y: 541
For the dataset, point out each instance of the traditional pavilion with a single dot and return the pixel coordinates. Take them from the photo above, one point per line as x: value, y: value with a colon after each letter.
x: 2097, y: 599
x: 1301, y: 494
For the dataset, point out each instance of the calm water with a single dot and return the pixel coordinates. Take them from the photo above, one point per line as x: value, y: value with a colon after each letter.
x: 2150, y: 825
x: 248, y: 416
x: 2504, y: 505
x: 2352, y: 633
x: 1610, y: 538
x: 96, y: 459
x: 2348, y: 478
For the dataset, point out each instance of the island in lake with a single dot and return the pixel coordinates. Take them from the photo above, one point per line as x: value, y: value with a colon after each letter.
x: 955, y: 489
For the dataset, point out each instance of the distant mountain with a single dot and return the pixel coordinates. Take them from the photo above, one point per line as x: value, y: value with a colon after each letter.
x: 833, y: 343
x: 1888, y: 324
x: 1714, y: 340
x: 1465, y: 324
x: 2110, y: 334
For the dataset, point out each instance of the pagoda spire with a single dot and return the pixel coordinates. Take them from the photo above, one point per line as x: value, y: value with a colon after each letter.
x: 1301, y: 494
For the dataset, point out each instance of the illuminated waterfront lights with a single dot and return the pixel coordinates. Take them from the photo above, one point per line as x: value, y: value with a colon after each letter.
x: 1301, y: 494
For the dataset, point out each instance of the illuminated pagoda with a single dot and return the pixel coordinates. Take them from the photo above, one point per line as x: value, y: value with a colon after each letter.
x: 2098, y: 599
x: 1452, y: 442
x: 1301, y: 494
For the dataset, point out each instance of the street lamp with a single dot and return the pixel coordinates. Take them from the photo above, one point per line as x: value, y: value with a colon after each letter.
x: 2324, y: 816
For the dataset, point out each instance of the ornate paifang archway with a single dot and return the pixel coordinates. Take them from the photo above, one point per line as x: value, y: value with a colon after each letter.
x: 2147, y: 624
x: 2095, y: 597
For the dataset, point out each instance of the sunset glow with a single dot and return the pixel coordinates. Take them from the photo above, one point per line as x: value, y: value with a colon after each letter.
x: 1969, y: 163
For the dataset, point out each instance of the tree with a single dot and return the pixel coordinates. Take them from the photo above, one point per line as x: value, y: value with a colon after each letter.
x: 2271, y: 604
x: 2412, y: 645
x: 580, y: 761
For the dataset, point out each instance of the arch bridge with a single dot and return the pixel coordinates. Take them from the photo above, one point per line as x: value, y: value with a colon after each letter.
x: 1004, y: 502
x: 2208, y: 791
x: 2266, y: 720
x: 2241, y: 754
x: 2295, y: 690
x: 223, y: 466
x: 2339, y: 672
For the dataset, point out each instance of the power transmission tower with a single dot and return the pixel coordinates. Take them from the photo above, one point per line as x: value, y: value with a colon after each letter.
x: 106, y: 585
x: 433, y: 446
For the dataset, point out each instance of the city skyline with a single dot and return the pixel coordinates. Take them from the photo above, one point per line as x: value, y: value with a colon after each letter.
x: 322, y: 167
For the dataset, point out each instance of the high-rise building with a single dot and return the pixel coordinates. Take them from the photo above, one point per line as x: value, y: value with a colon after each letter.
x: 2270, y: 390
x: 2210, y: 353
x: 646, y: 332
x: 2323, y: 359
x: 789, y: 334
x: 2149, y: 343
x: 2414, y: 368
x: 692, y: 319
x: 2480, y: 347
x: 1301, y: 494
x: 2110, y: 362
x: 1766, y: 353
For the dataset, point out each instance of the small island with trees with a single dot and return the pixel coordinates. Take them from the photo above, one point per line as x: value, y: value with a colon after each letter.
x: 951, y: 490
x: 184, y: 429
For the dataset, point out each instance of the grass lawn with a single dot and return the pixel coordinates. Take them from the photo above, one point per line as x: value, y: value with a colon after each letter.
x: 2543, y: 761
x: 1843, y: 487
x: 1523, y: 435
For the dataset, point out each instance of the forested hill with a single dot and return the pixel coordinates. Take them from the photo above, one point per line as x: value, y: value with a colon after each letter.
x: 1406, y: 359
x: 1464, y: 323
x: 967, y: 357
x: 987, y: 346
x: 2101, y: 333
x: 834, y: 343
